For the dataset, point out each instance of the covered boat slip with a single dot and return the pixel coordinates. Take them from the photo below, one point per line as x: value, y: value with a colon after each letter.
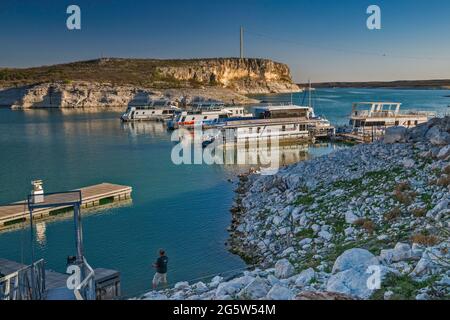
x: 91, y: 196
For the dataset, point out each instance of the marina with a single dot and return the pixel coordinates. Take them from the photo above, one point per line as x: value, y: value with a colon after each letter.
x: 138, y: 154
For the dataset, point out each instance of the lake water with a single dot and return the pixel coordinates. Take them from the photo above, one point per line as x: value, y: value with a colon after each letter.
x: 184, y: 209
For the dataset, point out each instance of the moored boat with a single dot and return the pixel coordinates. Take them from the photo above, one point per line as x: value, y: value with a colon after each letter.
x: 154, y: 111
x: 206, y: 116
x: 277, y: 122
x: 385, y: 114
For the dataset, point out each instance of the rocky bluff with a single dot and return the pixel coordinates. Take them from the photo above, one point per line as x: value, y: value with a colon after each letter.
x: 121, y: 82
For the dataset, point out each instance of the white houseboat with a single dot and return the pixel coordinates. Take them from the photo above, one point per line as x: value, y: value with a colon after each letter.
x: 156, y: 110
x: 281, y: 122
x: 366, y: 115
x: 207, y: 116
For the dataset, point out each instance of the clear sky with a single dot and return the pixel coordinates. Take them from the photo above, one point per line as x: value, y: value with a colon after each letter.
x: 323, y: 40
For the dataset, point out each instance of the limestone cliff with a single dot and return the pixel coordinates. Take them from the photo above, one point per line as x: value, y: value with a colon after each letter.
x: 242, y: 75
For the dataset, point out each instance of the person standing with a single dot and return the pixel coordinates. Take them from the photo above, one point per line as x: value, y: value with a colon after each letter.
x: 161, y: 269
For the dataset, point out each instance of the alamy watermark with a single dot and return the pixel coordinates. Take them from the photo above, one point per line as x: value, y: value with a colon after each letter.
x: 374, y: 20
x: 73, y: 21
x: 214, y: 146
x: 374, y: 280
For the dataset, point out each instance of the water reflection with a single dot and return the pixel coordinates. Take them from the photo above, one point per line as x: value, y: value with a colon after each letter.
x: 41, y: 237
x: 150, y: 128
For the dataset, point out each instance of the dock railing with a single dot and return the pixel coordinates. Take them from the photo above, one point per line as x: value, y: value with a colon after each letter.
x: 19, y: 285
x: 86, y: 289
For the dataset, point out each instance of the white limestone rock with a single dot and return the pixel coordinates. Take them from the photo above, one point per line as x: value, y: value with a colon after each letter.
x: 279, y: 292
x: 353, y: 258
x: 256, y: 289
x: 284, y: 269
x: 305, y: 277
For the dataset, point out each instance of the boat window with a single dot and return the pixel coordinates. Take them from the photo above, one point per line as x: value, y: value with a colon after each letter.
x: 396, y: 123
x: 259, y: 129
x: 416, y: 122
x: 153, y: 112
x: 205, y: 117
x: 283, y: 128
x: 164, y: 112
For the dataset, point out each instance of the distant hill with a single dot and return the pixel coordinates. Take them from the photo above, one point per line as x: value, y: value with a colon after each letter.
x: 401, y: 84
x: 240, y: 75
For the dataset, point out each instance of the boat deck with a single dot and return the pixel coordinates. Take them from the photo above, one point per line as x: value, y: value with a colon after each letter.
x: 263, y: 122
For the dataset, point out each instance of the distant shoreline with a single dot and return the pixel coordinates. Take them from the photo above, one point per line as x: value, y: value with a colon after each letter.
x: 400, y: 84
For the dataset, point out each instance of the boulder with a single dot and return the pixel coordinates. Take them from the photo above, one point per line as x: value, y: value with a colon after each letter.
x: 215, y: 281
x: 437, y: 137
x: 325, y: 235
x: 200, y: 287
x: 181, y: 285
x: 305, y: 277
x: 256, y: 289
x: 353, y: 258
x: 408, y: 163
x: 395, y: 134
x: 284, y: 269
x: 351, y: 282
x: 350, y: 217
x: 360, y: 282
x: 444, y: 152
x: 232, y: 287
x: 401, y: 251
x: 279, y: 292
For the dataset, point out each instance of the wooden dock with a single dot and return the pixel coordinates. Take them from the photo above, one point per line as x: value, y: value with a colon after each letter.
x: 92, y: 196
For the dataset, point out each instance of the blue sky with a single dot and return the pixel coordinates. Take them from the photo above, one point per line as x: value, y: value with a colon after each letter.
x: 319, y: 39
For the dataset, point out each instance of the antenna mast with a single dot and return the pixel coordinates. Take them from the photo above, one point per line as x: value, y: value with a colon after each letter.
x: 309, y: 81
x: 241, y: 43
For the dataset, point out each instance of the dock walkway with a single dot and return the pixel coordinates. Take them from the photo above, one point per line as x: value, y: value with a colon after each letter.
x: 91, y: 196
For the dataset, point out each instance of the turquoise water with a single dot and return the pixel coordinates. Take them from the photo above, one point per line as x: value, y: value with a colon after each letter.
x: 184, y: 209
x: 336, y: 104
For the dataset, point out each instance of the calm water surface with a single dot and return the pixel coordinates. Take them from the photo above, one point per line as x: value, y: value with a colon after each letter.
x: 181, y: 208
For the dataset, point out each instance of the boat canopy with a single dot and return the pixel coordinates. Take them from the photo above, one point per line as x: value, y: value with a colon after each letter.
x: 288, y: 111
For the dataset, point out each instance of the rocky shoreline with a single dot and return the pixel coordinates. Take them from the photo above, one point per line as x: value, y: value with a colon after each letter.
x: 326, y: 228
x: 83, y: 95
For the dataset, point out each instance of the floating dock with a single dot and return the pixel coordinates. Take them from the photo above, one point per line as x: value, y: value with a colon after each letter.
x: 107, y: 282
x: 91, y: 196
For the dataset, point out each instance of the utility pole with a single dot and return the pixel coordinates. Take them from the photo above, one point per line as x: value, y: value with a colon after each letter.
x: 242, y: 43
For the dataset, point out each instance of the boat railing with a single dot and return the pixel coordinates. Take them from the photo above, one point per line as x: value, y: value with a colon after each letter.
x: 27, y: 283
x: 86, y: 289
x: 391, y: 114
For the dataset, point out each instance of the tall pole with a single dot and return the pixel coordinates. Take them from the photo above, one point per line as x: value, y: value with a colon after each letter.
x: 242, y: 43
x: 33, y: 281
x: 309, y: 97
